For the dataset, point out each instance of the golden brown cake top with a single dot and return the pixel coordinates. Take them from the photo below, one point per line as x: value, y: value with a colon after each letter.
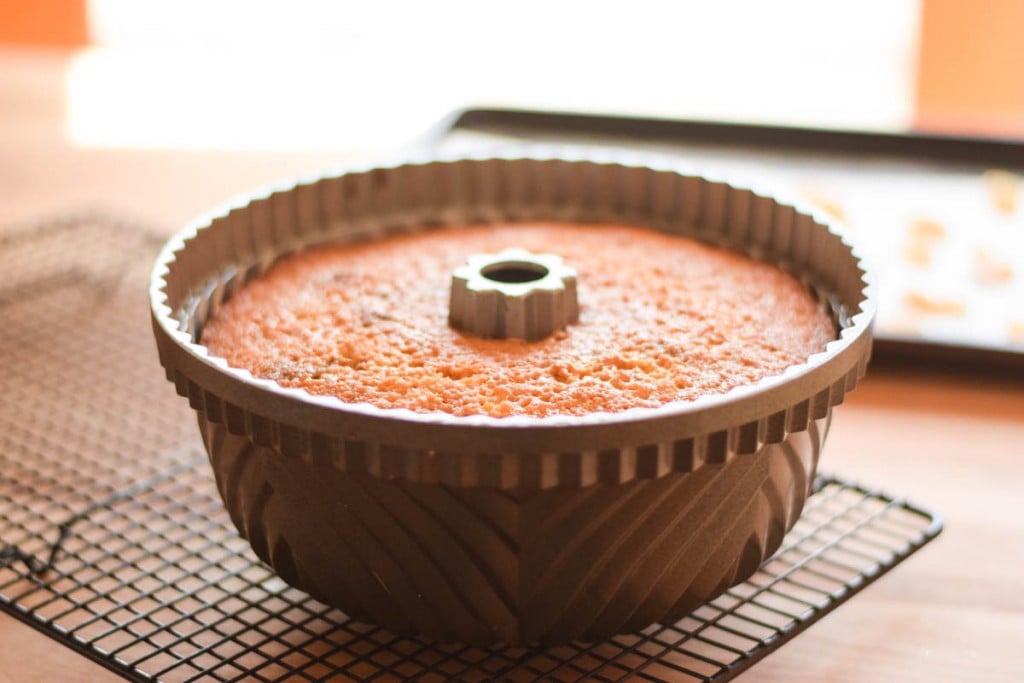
x: 662, y: 319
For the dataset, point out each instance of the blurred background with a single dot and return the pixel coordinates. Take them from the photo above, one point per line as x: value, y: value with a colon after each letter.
x: 320, y: 75
x: 157, y: 110
x: 315, y: 75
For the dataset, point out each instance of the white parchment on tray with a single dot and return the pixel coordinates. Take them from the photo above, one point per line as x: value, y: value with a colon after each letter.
x: 946, y: 239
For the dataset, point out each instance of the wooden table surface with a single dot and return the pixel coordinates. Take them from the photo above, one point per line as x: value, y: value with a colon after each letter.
x: 952, y: 612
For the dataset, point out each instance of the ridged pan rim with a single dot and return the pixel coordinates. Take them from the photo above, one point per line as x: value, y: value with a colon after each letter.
x: 808, y: 388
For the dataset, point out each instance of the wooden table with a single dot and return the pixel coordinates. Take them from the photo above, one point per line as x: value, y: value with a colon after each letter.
x: 953, y: 612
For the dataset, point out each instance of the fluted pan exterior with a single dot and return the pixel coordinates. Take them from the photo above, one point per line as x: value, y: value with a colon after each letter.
x: 480, y: 565
x: 515, y: 529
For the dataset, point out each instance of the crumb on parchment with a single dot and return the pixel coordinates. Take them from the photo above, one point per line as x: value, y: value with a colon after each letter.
x: 823, y: 200
x: 924, y: 304
x: 990, y: 271
x: 1003, y: 190
x: 923, y: 235
x: 1016, y: 333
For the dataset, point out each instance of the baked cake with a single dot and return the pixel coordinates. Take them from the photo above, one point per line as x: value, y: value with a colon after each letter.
x: 662, y: 318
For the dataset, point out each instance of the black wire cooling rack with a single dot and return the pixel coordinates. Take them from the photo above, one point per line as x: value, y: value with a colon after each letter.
x: 113, y: 540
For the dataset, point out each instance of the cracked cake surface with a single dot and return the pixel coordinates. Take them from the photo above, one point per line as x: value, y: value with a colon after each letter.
x: 661, y: 318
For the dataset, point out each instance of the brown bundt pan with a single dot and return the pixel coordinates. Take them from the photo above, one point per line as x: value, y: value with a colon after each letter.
x: 516, y: 530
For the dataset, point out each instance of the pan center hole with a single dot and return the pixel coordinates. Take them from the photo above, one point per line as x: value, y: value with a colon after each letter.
x: 514, y: 272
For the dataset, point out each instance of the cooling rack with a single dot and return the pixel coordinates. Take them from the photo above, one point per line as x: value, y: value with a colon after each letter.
x: 113, y: 540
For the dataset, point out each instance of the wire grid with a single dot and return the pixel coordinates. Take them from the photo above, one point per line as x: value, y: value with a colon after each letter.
x: 114, y: 542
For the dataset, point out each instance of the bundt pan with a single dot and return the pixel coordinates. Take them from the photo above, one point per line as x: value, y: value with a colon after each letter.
x: 518, y: 529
